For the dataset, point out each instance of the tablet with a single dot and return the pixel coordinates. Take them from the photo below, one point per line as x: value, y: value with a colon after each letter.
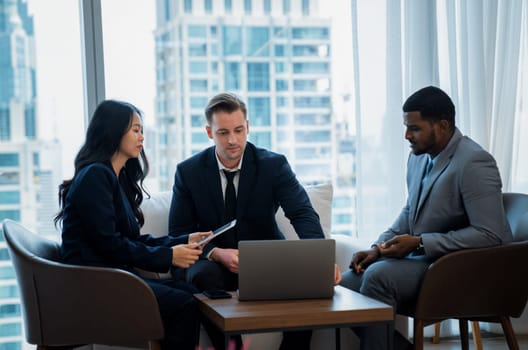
x: 218, y: 232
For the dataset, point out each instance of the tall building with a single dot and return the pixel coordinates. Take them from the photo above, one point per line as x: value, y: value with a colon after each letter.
x: 17, y: 72
x: 48, y: 180
x: 274, y: 54
x: 21, y: 165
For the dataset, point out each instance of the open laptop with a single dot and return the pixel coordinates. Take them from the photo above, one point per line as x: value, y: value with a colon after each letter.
x: 286, y: 269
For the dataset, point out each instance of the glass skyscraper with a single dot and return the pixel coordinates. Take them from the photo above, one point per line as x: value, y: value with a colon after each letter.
x: 22, y: 177
x: 274, y: 54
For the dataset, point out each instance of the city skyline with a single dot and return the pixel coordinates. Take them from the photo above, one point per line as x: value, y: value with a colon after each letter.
x: 59, y: 83
x: 300, y: 95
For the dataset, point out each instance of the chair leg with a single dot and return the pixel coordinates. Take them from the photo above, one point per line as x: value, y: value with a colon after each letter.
x: 477, y: 339
x: 464, y: 338
x: 508, y: 333
x: 436, y: 337
x: 418, y: 334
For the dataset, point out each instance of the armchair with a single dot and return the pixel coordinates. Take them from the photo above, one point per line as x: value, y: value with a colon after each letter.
x: 485, y: 284
x: 65, y: 306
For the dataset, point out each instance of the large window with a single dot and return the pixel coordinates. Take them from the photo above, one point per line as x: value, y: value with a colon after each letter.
x: 324, y: 85
x: 277, y: 58
x: 41, y: 127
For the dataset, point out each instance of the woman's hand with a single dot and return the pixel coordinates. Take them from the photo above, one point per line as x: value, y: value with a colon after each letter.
x: 184, y: 255
x: 198, y: 236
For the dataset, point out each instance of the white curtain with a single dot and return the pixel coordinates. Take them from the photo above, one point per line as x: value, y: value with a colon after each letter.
x: 471, y: 49
x: 519, y: 181
x: 480, y: 58
x: 378, y: 93
x: 475, y: 50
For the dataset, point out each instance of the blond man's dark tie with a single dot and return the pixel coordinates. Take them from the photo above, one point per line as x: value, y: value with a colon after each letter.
x: 230, y: 195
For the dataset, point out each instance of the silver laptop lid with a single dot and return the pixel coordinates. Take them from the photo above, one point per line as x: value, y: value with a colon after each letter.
x: 286, y: 269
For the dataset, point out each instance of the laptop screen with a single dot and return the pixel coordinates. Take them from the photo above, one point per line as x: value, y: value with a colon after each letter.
x: 286, y: 269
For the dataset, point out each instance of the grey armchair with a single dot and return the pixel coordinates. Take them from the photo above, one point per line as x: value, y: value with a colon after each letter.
x: 485, y: 284
x: 65, y: 306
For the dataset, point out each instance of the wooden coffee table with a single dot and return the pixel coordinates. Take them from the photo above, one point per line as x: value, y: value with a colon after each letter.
x: 347, y: 308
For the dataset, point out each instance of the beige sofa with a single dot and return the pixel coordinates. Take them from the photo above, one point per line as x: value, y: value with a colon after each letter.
x: 156, y: 210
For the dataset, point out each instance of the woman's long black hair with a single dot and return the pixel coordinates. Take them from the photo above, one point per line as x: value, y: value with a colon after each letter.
x: 110, y: 122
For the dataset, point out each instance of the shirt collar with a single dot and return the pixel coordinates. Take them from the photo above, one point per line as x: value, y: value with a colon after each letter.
x: 222, y: 167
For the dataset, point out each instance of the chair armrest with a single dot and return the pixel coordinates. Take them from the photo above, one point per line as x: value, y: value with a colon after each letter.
x: 98, y: 305
x: 476, y: 283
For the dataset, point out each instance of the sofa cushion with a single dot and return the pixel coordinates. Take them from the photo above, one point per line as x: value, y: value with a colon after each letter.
x: 321, y: 199
x: 156, y: 211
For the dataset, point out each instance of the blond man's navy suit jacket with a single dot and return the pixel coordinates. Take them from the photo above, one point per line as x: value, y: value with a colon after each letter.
x: 266, y: 182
